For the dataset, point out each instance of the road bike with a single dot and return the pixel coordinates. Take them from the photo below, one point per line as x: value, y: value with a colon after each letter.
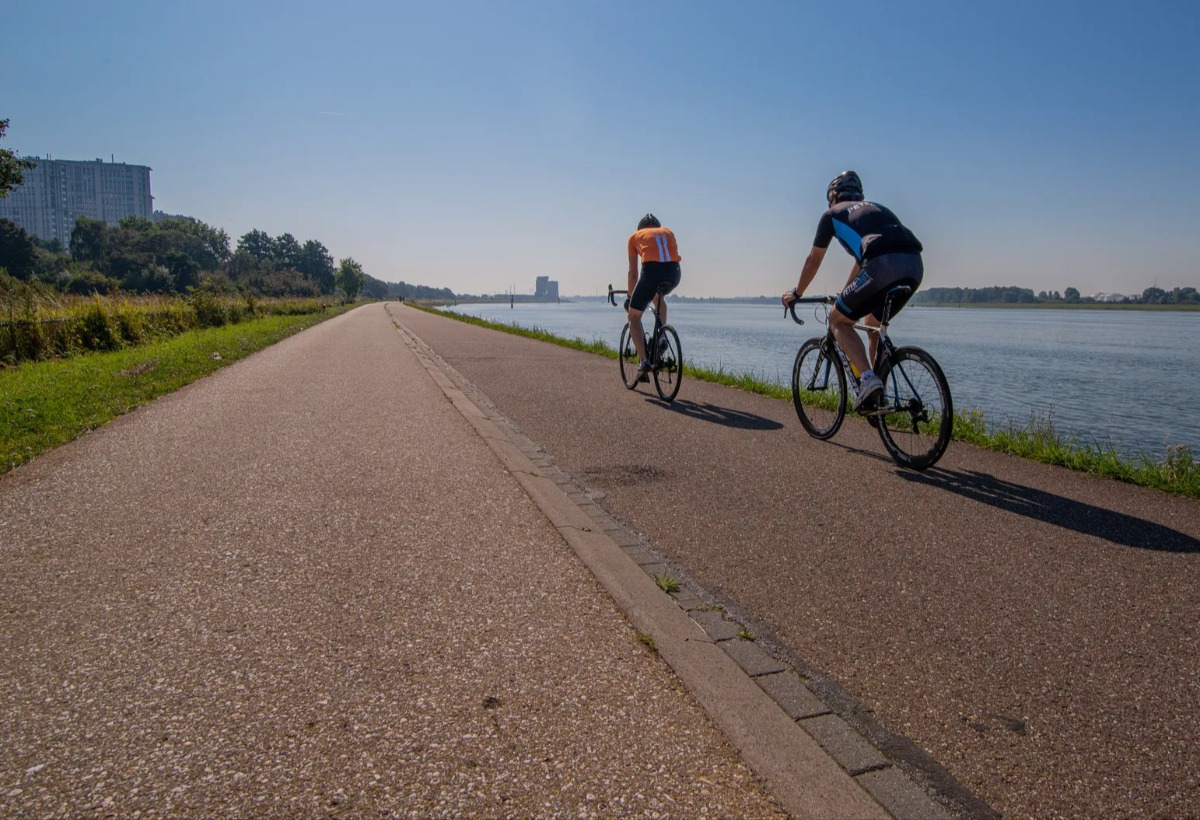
x: 663, y: 351
x: 914, y: 414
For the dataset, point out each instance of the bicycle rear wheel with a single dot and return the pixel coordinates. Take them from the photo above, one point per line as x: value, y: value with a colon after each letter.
x: 818, y: 389
x: 627, y: 354
x: 668, y: 366
x: 916, y: 416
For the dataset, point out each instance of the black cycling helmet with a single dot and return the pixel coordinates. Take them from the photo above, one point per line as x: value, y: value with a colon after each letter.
x: 846, y: 186
x: 649, y: 221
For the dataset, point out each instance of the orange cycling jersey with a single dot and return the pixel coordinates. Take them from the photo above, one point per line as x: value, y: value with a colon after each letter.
x: 654, y: 245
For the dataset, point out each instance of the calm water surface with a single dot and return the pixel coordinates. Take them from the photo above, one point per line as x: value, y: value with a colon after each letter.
x: 1122, y: 378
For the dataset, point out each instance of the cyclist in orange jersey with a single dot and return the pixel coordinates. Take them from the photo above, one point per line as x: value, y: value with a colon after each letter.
x: 660, y: 275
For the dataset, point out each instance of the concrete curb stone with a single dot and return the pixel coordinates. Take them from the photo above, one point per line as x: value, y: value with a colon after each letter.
x: 894, y: 793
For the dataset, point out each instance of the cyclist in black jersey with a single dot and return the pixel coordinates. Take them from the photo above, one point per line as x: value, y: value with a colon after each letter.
x: 886, y: 254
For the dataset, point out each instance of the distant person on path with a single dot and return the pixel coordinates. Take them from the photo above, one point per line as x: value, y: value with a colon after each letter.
x: 886, y: 255
x: 660, y: 268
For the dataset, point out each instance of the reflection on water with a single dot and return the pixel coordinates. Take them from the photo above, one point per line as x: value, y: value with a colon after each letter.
x: 1125, y: 378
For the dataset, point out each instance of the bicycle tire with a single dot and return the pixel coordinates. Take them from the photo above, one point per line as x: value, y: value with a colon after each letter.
x: 628, y: 357
x: 819, y: 389
x: 916, y: 416
x: 668, y: 363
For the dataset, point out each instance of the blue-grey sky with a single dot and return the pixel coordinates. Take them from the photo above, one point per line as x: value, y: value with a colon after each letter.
x: 477, y: 145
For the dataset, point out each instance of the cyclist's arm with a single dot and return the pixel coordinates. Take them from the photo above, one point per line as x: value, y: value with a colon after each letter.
x: 633, y: 271
x: 811, y: 265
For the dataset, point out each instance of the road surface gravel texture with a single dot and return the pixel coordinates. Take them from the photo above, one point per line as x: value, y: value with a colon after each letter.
x: 1032, y: 629
x: 304, y: 586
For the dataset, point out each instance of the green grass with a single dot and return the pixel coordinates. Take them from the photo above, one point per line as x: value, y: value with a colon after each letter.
x: 666, y: 583
x: 1177, y: 472
x: 48, y: 403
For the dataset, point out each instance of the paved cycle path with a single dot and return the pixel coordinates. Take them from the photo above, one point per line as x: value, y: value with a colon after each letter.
x: 1030, y: 629
x: 307, y: 586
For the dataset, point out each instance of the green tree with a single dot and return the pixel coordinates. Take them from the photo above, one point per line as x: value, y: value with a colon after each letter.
x: 12, y: 167
x: 17, y: 250
x: 89, y: 241
x: 317, y: 264
x: 213, y: 241
x: 350, y: 278
x: 1071, y: 295
x: 258, y: 244
x: 286, y: 251
x: 1154, y: 296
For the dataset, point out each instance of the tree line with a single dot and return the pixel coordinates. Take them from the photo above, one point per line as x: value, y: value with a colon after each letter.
x: 1025, y: 296
x: 175, y: 256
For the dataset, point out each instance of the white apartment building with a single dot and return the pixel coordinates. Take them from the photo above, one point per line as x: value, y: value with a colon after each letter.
x: 58, y: 191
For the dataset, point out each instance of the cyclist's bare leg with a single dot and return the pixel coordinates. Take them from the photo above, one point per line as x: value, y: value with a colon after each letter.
x: 660, y: 304
x: 871, y: 321
x: 638, y: 334
x: 843, y: 330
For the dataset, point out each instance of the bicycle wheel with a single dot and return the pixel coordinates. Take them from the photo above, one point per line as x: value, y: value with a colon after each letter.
x: 916, y: 416
x: 818, y: 389
x: 668, y: 368
x: 627, y: 354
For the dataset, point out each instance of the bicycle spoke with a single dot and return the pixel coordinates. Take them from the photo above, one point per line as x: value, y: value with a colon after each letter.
x: 818, y: 390
x: 917, y: 424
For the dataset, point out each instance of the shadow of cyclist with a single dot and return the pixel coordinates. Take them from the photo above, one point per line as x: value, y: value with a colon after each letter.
x: 1056, y: 509
x: 718, y: 415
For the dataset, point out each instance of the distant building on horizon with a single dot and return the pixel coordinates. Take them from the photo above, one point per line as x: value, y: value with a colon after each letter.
x: 59, y: 191
x: 546, y: 288
x: 159, y: 216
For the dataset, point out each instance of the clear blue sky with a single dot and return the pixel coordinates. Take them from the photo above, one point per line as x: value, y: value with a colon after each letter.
x: 477, y: 145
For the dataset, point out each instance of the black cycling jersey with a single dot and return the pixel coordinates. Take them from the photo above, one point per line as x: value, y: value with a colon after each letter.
x: 866, y: 230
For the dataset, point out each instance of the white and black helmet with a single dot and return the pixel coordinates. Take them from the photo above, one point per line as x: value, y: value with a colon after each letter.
x: 845, y: 187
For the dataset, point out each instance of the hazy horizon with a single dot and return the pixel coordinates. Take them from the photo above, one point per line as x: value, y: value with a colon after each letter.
x: 476, y: 145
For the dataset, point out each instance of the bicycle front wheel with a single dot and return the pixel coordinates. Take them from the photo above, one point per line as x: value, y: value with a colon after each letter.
x: 627, y: 354
x: 818, y: 389
x: 668, y: 368
x: 916, y: 416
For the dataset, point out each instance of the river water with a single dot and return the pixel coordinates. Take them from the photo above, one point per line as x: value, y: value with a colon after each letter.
x: 1118, y: 378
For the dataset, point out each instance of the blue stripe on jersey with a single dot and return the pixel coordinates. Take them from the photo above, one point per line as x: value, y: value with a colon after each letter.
x: 850, y: 237
x: 661, y: 241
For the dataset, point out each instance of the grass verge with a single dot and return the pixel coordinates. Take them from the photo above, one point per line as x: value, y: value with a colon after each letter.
x: 1177, y: 472
x: 45, y: 404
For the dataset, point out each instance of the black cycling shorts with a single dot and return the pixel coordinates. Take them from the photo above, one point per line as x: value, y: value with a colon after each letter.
x: 655, y: 276
x: 867, y: 293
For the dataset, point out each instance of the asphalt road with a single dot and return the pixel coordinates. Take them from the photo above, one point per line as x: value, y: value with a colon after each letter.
x: 306, y: 587
x: 1031, y: 629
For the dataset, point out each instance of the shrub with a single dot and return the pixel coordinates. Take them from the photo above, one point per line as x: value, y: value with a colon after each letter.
x: 96, y: 329
x: 88, y: 282
x: 210, y: 310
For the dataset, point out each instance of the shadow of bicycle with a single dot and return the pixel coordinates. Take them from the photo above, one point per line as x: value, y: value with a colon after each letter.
x: 717, y: 414
x: 1040, y: 505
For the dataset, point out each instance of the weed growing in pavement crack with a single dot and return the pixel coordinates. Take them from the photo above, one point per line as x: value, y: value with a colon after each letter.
x: 666, y: 583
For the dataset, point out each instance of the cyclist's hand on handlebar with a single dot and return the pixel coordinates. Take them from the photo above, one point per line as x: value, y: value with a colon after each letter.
x: 789, y: 297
